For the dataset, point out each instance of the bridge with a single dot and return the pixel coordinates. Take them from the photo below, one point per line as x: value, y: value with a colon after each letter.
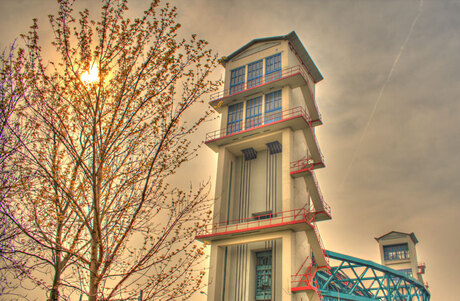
x: 355, y: 279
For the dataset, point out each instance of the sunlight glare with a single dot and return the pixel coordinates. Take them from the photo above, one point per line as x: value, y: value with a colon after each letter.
x: 90, y: 76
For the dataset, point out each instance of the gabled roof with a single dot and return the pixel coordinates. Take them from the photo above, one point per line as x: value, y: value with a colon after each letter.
x: 412, y: 236
x: 296, y: 44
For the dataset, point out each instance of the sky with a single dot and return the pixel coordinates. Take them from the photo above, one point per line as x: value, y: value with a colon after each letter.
x: 389, y: 102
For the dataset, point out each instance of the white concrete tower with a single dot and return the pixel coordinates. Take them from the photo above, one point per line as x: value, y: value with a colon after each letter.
x: 264, y: 242
x: 398, y: 251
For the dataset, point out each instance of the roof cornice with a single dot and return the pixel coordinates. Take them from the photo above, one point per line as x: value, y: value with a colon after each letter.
x: 411, y: 235
x: 297, y: 47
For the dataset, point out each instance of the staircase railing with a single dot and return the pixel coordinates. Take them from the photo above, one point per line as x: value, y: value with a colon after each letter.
x: 307, y: 280
x: 307, y: 165
x: 311, y: 219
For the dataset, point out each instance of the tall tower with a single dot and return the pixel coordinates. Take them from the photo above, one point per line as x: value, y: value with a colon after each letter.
x: 398, y: 251
x: 264, y: 242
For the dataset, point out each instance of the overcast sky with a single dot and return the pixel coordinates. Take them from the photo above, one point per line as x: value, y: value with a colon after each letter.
x: 390, y: 107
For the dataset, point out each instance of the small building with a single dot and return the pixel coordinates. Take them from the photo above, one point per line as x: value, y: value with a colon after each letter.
x: 398, y: 251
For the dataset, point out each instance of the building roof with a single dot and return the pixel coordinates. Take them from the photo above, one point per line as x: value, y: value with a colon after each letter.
x: 385, y: 236
x: 296, y: 44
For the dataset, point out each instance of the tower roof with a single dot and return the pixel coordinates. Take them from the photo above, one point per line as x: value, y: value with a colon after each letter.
x: 296, y: 44
x: 391, y: 235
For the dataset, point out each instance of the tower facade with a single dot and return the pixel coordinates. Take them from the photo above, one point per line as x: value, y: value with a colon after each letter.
x: 398, y: 251
x: 264, y: 240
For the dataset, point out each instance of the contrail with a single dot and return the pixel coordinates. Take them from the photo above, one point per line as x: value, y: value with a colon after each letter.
x: 390, y: 74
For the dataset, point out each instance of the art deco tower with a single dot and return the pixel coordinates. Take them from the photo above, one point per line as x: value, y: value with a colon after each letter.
x: 264, y: 240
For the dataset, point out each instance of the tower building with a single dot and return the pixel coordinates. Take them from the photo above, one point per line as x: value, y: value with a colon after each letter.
x: 264, y: 241
x: 398, y: 251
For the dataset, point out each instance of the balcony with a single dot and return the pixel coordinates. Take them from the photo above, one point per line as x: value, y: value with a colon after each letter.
x: 297, y: 220
x: 300, y: 167
x: 294, y: 118
x: 295, y: 76
x: 304, y: 168
x: 421, y: 268
x: 302, y: 219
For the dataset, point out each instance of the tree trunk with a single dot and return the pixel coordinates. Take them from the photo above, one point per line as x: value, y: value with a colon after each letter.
x: 93, y: 276
x: 54, y: 294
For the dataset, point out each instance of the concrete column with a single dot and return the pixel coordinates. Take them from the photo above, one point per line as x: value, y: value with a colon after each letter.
x: 221, y: 180
x: 215, y: 273
x: 286, y: 266
x: 222, y: 185
x: 286, y: 183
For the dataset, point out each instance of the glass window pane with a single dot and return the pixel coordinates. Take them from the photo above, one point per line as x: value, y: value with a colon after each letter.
x: 396, y: 252
x: 273, y: 107
x: 237, y: 79
x: 235, y: 118
x: 253, y: 112
x: 264, y: 275
x: 273, y: 67
x: 408, y: 272
x: 254, y: 74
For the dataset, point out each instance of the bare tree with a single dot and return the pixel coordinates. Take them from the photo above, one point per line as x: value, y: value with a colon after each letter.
x: 107, y: 126
x: 12, y: 265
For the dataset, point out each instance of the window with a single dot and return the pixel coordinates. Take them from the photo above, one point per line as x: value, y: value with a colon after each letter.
x: 237, y: 79
x: 273, y: 107
x: 235, y: 118
x: 254, y: 74
x: 253, y: 112
x: 262, y: 215
x: 408, y: 272
x: 396, y: 252
x: 273, y: 67
x: 264, y: 275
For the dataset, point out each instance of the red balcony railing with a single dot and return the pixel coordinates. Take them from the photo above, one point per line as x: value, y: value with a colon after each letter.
x: 307, y: 280
x: 421, y: 268
x: 261, y: 221
x: 303, y: 280
x: 256, y: 83
x: 258, y: 122
x: 276, y: 76
x: 304, y: 164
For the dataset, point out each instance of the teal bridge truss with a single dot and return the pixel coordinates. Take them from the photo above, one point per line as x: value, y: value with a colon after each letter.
x: 356, y: 279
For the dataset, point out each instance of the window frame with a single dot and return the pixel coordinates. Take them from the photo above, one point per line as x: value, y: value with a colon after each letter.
x: 261, y: 293
x: 396, y: 252
x: 273, y: 67
x: 235, y: 118
x: 237, y: 79
x: 407, y: 272
x: 253, y: 116
x: 273, y: 106
x: 255, y: 73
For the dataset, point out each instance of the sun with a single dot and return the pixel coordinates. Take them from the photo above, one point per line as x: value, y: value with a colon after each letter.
x: 90, y: 76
